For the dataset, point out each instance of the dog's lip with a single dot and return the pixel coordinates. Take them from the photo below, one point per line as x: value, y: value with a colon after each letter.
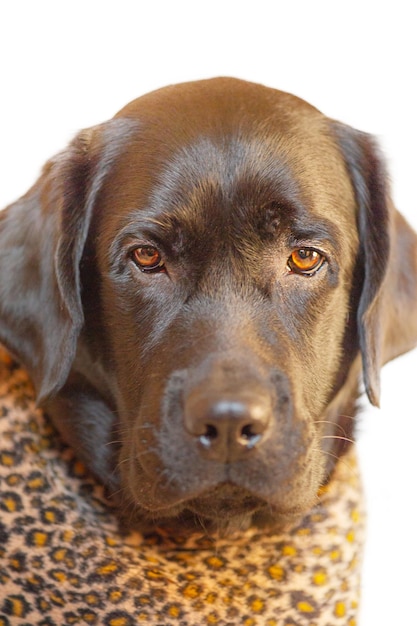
x: 222, y: 491
x: 219, y: 501
x: 223, y: 499
x: 160, y: 495
x: 227, y: 502
x: 229, y: 497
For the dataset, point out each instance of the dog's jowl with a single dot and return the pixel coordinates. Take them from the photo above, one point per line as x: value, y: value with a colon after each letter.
x: 197, y: 288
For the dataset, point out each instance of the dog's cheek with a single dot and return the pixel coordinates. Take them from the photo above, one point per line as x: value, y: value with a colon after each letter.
x: 139, y: 470
x: 323, y: 353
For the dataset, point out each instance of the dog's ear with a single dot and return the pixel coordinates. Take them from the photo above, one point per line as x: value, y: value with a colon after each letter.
x: 42, y: 237
x: 41, y: 241
x: 387, y: 311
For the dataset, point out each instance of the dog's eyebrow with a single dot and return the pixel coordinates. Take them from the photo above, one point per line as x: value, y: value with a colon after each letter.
x: 146, y: 226
x: 321, y: 230
x: 144, y: 221
x: 297, y: 221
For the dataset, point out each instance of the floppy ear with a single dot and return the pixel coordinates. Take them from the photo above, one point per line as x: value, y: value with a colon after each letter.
x: 42, y: 237
x: 41, y: 241
x: 387, y: 312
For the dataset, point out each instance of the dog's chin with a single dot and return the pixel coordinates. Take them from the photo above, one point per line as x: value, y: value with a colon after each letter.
x: 228, y: 509
x: 223, y: 510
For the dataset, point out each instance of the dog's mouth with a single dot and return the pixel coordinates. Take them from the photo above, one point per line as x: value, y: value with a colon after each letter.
x: 229, y: 507
x: 217, y: 500
x: 225, y: 507
x: 225, y: 500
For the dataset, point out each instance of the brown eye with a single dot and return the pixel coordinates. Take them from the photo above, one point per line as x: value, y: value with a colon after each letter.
x: 148, y: 259
x: 305, y: 261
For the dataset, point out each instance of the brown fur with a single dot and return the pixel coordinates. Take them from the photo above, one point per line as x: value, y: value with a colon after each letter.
x: 222, y: 386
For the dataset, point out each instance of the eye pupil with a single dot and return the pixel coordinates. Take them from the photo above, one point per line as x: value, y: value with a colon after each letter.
x: 147, y: 258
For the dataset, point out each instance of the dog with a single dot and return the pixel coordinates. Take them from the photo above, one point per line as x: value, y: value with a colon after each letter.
x: 196, y: 288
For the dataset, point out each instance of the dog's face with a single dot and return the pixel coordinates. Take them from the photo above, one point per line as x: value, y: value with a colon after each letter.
x: 225, y: 285
x: 217, y: 257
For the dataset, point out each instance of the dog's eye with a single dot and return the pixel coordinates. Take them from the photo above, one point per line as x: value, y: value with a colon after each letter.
x: 148, y: 259
x: 305, y: 261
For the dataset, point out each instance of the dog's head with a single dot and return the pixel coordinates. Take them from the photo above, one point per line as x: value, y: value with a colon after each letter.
x: 218, y: 262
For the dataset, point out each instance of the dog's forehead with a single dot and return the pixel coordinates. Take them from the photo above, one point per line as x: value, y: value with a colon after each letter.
x: 209, y: 96
x: 230, y: 143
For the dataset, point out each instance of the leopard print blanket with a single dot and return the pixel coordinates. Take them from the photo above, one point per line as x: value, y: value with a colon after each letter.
x: 64, y: 562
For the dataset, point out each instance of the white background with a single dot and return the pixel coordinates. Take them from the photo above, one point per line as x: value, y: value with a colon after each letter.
x: 68, y: 65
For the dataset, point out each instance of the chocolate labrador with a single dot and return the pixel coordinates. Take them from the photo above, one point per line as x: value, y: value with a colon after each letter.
x: 196, y: 287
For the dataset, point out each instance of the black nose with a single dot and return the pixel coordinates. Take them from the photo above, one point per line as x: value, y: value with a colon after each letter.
x: 227, y: 428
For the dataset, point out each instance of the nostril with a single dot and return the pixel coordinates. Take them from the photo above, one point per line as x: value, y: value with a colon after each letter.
x: 249, y: 437
x: 211, y: 433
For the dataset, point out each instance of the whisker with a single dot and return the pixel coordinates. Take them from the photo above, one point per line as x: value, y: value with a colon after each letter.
x: 113, y: 442
x: 340, y: 459
x: 336, y: 424
x: 349, y: 417
x: 331, y: 422
x: 338, y: 437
